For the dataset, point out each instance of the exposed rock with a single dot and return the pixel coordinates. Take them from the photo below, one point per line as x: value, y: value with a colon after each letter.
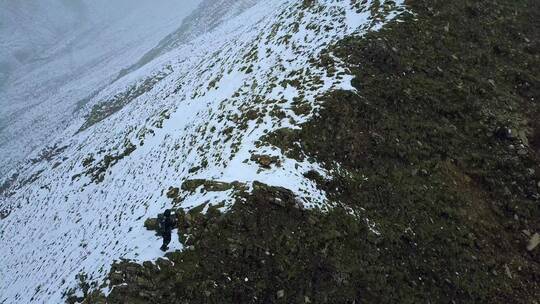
x: 507, y: 271
x: 173, y: 192
x: 265, y: 161
x: 116, y: 278
x: 151, y: 224
x: 302, y: 109
x: 98, y: 171
x: 4, y: 214
x: 252, y: 114
x: 211, y: 186
x: 522, y: 135
x: 276, y: 195
x: 533, y: 242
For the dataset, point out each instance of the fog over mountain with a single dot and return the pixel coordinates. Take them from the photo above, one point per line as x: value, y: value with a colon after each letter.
x: 32, y: 31
x: 57, y: 53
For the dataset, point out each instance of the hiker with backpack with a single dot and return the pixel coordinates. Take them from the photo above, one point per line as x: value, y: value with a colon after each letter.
x: 167, y: 222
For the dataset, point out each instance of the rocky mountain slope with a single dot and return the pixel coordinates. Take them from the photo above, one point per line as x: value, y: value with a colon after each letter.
x: 315, y: 151
x: 198, y: 111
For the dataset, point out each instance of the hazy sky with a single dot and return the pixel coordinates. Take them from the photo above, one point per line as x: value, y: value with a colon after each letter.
x: 30, y: 28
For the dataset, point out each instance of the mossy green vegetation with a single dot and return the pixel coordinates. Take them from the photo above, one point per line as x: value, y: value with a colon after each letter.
x: 434, y: 167
x: 97, y: 171
x: 210, y: 186
x: 420, y: 149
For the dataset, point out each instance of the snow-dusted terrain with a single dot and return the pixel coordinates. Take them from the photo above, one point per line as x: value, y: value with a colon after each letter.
x: 194, y: 107
x: 55, y: 55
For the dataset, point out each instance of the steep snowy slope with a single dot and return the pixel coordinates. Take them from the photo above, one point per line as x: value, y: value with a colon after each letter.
x: 55, y: 55
x: 197, y: 111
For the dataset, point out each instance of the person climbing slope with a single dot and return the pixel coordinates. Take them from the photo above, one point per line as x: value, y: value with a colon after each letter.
x: 167, y: 222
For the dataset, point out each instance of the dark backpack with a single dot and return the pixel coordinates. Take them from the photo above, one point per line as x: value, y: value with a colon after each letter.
x: 166, y: 224
x: 162, y: 224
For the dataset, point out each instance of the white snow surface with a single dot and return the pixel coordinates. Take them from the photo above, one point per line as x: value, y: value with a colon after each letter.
x: 61, y: 222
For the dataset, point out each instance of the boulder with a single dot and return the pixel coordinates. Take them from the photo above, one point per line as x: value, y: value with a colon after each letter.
x: 208, y: 185
x: 265, y: 161
x: 151, y: 224
x: 533, y: 242
x: 173, y: 192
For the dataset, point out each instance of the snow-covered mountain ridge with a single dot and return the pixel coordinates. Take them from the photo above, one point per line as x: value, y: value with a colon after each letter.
x: 197, y: 111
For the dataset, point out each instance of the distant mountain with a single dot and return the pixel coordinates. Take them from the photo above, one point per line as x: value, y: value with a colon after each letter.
x: 57, y: 54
